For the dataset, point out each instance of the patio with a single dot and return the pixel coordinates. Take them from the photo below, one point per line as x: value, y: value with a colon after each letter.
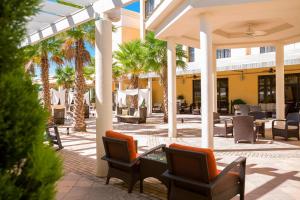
x: 272, y: 166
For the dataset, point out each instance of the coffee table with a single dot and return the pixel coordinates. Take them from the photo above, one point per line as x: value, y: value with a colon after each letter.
x: 153, y: 165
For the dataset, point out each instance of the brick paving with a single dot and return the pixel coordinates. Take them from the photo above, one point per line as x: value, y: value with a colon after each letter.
x: 273, y: 167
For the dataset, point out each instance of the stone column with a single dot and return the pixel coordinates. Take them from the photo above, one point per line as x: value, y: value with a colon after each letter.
x: 142, y: 19
x: 207, y: 89
x: 103, y: 62
x: 172, y: 131
x: 280, y: 100
x: 150, y: 96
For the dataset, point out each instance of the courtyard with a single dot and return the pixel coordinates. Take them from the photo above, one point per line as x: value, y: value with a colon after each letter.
x: 272, y: 166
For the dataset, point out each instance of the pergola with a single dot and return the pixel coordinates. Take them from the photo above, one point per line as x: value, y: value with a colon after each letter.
x: 210, y: 25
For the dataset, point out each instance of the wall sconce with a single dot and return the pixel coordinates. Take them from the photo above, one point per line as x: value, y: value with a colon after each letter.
x: 242, y: 76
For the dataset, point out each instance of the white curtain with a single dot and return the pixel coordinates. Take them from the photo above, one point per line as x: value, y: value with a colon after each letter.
x: 55, y: 97
x: 70, y: 97
x: 121, y: 98
x: 62, y: 96
x: 132, y: 92
x: 143, y: 95
x: 87, y: 98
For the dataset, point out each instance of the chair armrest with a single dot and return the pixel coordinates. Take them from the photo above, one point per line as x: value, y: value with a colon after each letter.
x: 171, y: 177
x: 278, y: 120
x: 152, y: 150
x: 124, y: 164
x: 241, y: 161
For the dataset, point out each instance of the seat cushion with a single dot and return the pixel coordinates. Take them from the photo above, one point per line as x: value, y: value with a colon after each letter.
x: 221, y: 125
x: 282, y: 126
x: 129, y: 139
x: 212, y: 165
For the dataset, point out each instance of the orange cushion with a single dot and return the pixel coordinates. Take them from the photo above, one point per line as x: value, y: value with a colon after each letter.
x: 212, y: 165
x: 129, y: 139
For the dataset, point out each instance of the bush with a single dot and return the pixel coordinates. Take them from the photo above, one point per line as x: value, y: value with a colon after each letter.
x: 238, y: 101
x: 28, y: 168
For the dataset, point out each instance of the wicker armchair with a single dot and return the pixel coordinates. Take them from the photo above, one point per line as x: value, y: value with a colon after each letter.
x: 53, y: 135
x: 243, y: 129
x: 222, y: 127
x: 286, y: 128
x: 191, y: 180
x: 118, y: 154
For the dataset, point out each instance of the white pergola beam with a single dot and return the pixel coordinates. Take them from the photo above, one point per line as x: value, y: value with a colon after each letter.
x: 81, y: 16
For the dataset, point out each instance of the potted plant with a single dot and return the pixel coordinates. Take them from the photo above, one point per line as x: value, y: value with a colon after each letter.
x: 236, y: 102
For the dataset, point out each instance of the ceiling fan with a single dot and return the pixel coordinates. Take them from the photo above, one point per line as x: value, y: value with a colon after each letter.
x: 254, y: 33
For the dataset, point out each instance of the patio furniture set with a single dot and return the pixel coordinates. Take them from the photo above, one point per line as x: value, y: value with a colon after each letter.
x: 249, y: 127
x: 187, y: 172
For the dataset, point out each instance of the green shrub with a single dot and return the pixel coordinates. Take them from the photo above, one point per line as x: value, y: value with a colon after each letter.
x: 28, y: 168
x: 238, y: 101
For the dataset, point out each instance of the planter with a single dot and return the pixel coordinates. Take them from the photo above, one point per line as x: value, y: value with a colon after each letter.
x: 143, y: 114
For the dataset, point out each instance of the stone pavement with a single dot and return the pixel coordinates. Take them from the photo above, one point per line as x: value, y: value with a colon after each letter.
x: 273, y: 167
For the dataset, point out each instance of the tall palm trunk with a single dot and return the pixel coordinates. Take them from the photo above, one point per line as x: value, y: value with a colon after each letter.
x: 79, y: 88
x: 164, y: 82
x: 46, y: 87
x: 134, y: 84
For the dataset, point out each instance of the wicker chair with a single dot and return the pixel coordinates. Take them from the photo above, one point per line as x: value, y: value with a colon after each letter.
x: 287, y: 128
x: 191, y: 180
x: 120, y: 164
x: 243, y: 129
x: 222, y: 127
x: 53, y: 135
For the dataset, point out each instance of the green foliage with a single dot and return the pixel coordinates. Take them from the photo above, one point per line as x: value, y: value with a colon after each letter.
x: 28, y: 169
x: 238, y: 101
x: 131, y: 58
x: 65, y: 76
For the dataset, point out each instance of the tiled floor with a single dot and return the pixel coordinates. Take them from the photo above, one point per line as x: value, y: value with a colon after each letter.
x: 273, y: 167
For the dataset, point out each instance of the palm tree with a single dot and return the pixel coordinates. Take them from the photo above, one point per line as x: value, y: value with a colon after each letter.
x: 157, y: 62
x: 65, y: 77
x: 131, y: 58
x: 41, y: 54
x: 74, y: 49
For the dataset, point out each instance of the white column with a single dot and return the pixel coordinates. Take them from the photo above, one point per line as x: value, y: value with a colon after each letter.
x: 172, y: 131
x: 142, y: 19
x: 150, y: 96
x: 207, y: 89
x: 103, y: 62
x: 280, y: 101
x: 215, y: 79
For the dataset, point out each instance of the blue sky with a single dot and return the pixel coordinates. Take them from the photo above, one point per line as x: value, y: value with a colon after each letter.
x: 133, y: 7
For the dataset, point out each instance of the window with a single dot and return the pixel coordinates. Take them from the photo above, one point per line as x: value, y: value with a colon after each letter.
x: 223, y: 53
x: 149, y: 7
x: 196, y: 91
x: 267, y: 49
x: 191, y: 54
x: 292, y: 92
x: 266, y: 89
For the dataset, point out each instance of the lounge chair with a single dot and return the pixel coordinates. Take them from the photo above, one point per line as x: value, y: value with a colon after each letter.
x: 243, y: 129
x: 123, y: 160
x: 193, y: 175
x: 222, y: 127
x: 286, y: 128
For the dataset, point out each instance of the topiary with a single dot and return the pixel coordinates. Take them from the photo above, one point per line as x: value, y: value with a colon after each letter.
x: 238, y: 101
x: 28, y: 168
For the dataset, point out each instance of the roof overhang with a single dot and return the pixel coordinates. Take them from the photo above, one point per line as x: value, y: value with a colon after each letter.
x: 229, y: 21
x: 54, y: 18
